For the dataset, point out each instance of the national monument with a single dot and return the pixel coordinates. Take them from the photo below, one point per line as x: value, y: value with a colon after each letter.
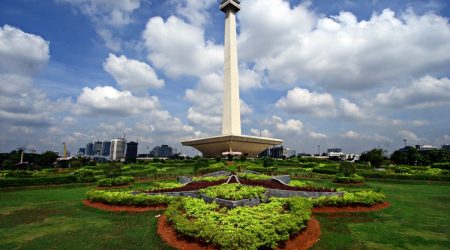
x: 231, y: 141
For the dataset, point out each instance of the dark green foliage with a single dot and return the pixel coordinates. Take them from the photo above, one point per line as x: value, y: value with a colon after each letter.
x: 200, y: 163
x: 354, y: 178
x: 259, y: 227
x: 234, y: 192
x: 112, y: 169
x: 37, y: 181
x: 374, y: 156
x: 127, y: 199
x: 347, y: 168
x: 19, y: 174
x: 218, y: 159
x: 268, y: 162
x: 442, y: 165
x: 119, y: 181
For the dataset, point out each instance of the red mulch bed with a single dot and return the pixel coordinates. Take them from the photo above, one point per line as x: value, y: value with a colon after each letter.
x: 304, y: 240
x: 112, y: 208
x: 351, y: 209
x: 169, y: 235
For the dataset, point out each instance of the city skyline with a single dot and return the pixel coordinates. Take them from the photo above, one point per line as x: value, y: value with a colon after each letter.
x: 351, y: 74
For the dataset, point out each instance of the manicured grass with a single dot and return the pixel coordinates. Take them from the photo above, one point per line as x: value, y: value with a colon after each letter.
x: 417, y: 219
x: 54, y: 218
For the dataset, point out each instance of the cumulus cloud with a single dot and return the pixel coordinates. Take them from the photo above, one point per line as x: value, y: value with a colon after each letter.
x: 317, y: 136
x: 300, y: 100
x: 408, y: 135
x: 423, y: 93
x: 195, y: 11
x: 180, y: 48
x: 263, y: 133
x: 341, y: 52
x: 106, y: 16
x: 290, y: 126
x: 22, y: 53
x: 352, y: 135
x: 131, y: 74
x: 112, y: 102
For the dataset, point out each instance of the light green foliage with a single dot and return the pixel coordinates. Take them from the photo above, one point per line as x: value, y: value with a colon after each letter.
x: 210, y: 178
x: 165, y: 185
x: 234, y: 192
x: 127, y: 198
x: 254, y: 177
x: 365, y: 198
x: 84, y: 172
x: 258, y: 227
x: 297, y: 183
x: 119, y: 181
x: 434, y: 171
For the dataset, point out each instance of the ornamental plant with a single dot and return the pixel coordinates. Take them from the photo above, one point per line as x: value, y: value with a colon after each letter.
x: 210, y: 178
x: 119, y: 181
x: 260, y: 227
x: 360, y: 198
x: 126, y: 198
x: 233, y: 192
x: 354, y: 178
x: 254, y: 177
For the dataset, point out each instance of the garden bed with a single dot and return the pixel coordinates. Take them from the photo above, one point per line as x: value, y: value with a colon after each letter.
x: 273, y: 184
x: 352, y: 209
x: 192, y: 186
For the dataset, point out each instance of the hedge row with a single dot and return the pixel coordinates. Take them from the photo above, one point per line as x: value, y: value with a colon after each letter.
x: 364, y: 198
x: 354, y: 178
x: 124, y: 198
x: 407, y: 177
x: 119, y: 181
x: 39, y: 181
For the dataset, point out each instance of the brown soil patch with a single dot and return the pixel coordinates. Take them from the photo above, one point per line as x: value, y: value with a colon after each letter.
x: 351, y: 209
x: 112, y: 208
x: 169, y: 235
x: 302, y: 241
x: 305, y: 239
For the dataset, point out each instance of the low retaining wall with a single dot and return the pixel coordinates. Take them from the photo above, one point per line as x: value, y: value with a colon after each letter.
x: 288, y: 193
x: 231, y: 204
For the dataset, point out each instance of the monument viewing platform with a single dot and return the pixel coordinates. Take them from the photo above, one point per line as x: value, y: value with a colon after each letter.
x: 231, y: 139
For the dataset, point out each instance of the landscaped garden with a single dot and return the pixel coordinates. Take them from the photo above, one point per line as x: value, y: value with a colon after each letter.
x: 366, y: 213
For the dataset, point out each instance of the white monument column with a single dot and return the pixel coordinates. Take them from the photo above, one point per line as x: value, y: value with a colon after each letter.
x: 231, y: 116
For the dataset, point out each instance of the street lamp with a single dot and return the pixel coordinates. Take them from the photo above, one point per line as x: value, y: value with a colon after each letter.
x: 318, y: 148
x: 405, y: 142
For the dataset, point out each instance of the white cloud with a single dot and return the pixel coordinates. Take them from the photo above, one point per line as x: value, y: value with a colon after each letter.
x: 109, y: 101
x: 356, y: 136
x: 350, y: 110
x: 263, y: 133
x: 107, y: 15
x: 180, y: 48
x: 424, y: 93
x: 131, y: 74
x: 22, y: 53
x: 351, y: 135
x: 290, y: 126
x: 249, y: 79
x: 408, y: 135
x: 317, y: 136
x: 300, y: 100
x: 195, y: 11
x: 340, y: 52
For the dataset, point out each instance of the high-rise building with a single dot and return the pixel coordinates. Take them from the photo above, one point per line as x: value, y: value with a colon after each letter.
x: 117, y: 151
x: 90, y: 149
x: 106, y: 148
x: 98, y: 148
x: 82, y: 151
x: 132, y: 151
x: 164, y: 151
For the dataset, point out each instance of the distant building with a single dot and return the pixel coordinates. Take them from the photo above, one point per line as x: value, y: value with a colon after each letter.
x: 98, y: 148
x: 278, y: 152
x: 426, y: 148
x: 335, y: 153
x: 106, y: 148
x: 90, y: 149
x: 132, y: 151
x: 82, y: 151
x: 163, y: 151
x: 117, y: 151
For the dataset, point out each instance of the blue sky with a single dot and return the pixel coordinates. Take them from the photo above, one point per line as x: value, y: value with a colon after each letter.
x: 349, y: 74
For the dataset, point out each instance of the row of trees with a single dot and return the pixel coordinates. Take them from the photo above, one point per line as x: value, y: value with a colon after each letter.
x: 9, y: 160
x: 411, y: 156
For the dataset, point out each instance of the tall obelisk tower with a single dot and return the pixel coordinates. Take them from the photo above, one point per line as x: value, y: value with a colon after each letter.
x: 231, y: 116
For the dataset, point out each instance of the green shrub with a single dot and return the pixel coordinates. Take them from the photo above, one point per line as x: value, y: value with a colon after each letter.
x: 119, y: 181
x: 84, y: 172
x: 347, y: 169
x: 364, y: 198
x: 297, y: 183
x: 259, y: 227
x: 254, y: 177
x: 234, y: 192
x: 354, y: 178
x: 127, y: 199
x: 19, y: 174
x: 38, y: 181
x: 442, y: 165
x: 211, y: 178
x: 165, y: 185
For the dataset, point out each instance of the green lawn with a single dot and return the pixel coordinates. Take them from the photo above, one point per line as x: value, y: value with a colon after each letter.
x: 54, y: 218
